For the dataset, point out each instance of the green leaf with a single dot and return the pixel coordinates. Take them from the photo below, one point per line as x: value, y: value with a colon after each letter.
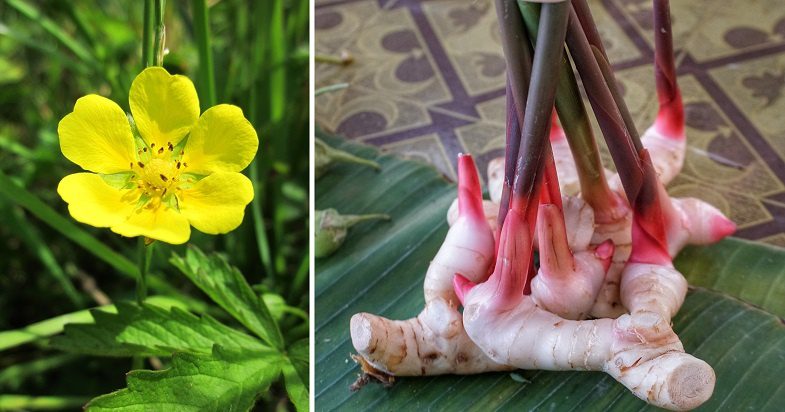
x: 222, y: 381
x: 227, y: 287
x: 752, y: 272
x: 150, y: 330
x: 732, y: 321
x: 55, y: 325
x: 295, y: 374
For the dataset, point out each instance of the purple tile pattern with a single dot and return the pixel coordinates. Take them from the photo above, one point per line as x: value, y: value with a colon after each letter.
x: 427, y: 81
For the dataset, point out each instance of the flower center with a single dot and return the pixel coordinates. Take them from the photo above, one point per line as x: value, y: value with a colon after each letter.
x: 158, y: 173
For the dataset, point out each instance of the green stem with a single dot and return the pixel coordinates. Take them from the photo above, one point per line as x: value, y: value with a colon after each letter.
x: 583, y: 12
x: 575, y: 122
x: 518, y: 55
x: 160, y: 33
x: 148, y: 42
x: 202, y: 31
x: 540, y: 101
x: 41, y: 403
x: 254, y: 114
x: 300, y: 278
x: 13, y: 376
x: 35, y: 242
x: 613, y: 126
x: 262, y: 242
x: 613, y: 86
x: 145, y: 256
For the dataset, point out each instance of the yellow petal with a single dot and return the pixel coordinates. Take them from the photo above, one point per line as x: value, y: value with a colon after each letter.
x: 216, y: 204
x: 92, y: 201
x: 222, y: 141
x: 162, y: 223
x: 97, y: 136
x: 165, y: 107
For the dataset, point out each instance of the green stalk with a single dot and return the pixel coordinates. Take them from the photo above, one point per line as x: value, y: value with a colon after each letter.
x: 516, y: 51
x: 613, y: 86
x: 254, y: 113
x: 206, y: 70
x: 575, y: 122
x: 277, y: 89
x: 41, y: 403
x: 583, y: 12
x: 145, y: 256
x: 160, y: 33
x: 300, y: 281
x: 541, y: 97
x: 13, y: 376
x: 19, y: 195
x: 518, y: 54
x: 614, y: 129
x: 148, y: 42
x: 55, y: 30
x: 31, y: 236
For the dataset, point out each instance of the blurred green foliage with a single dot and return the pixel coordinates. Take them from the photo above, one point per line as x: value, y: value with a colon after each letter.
x: 52, y: 53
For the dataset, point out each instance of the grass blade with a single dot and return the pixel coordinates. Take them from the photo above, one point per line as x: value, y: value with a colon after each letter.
x: 40, y: 403
x: 206, y: 70
x: 32, y: 237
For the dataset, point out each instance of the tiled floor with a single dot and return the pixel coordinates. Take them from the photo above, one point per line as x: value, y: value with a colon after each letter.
x: 427, y: 81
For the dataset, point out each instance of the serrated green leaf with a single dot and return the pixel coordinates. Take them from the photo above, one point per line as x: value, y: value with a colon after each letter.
x: 55, y: 325
x: 380, y: 270
x: 295, y: 374
x: 222, y: 381
x: 227, y: 287
x: 150, y: 330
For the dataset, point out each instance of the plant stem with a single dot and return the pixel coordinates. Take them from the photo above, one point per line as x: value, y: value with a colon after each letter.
x: 583, y: 12
x: 513, y: 140
x: 148, y: 42
x: 254, y: 114
x: 547, y: 58
x: 206, y: 70
x: 41, y: 403
x: 575, y: 122
x: 13, y: 376
x: 35, y: 242
x: 671, y: 113
x: 613, y: 87
x: 616, y: 134
x: 300, y: 278
x: 145, y: 255
x: 160, y: 33
x: 518, y: 54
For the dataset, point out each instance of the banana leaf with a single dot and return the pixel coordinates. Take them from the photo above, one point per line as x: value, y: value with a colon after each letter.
x: 732, y: 317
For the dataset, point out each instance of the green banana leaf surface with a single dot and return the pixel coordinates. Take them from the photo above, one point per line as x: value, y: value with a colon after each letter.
x: 732, y: 317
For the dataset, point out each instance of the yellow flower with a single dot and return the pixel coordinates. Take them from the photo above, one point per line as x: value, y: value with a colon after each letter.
x: 181, y: 170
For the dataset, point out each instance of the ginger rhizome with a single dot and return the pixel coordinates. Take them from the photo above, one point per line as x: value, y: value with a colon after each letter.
x: 604, y: 290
